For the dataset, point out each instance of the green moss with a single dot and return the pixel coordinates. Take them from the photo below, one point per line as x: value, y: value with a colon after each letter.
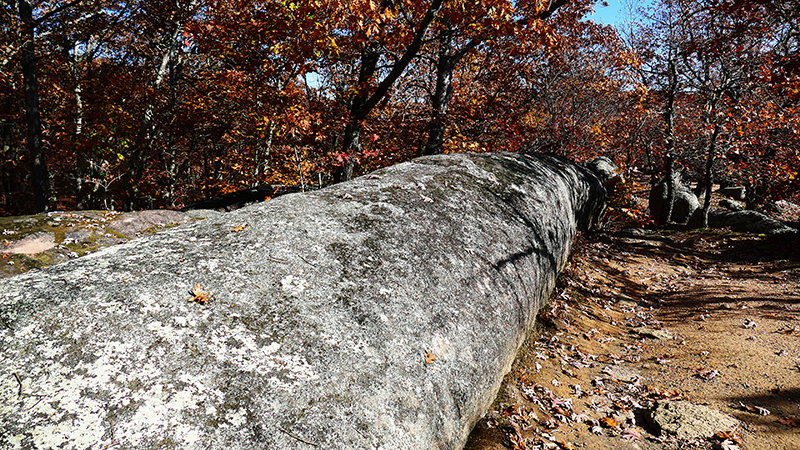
x: 115, y: 233
x: 498, y: 400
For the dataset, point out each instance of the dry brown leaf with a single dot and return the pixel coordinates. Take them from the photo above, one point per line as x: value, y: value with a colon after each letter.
x: 430, y: 358
x: 200, y: 296
x: 609, y: 422
x: 566, y: 445
x: 631, y: 434
x: 727, y: 435
x: 790, y: 421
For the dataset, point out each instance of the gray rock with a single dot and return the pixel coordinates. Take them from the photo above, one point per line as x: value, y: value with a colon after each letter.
x: 132, y: 223
x: 77, y: 236
x: 734, y: 192
x: 380, y: 313
x: 662, y: 334
x: 748, y: 221
x: 606, y: 170
x: 687, y: 421
x: 686, y: 202
x: 202, y: 213
x: 731, y: 205
x: 622, y: 374
x: 785, y: 207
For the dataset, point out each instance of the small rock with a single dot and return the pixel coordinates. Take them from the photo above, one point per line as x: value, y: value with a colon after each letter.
x: 619, y: 373
x: 734, y: 192
x: 653, y: 333
x: 686, y: 420
x: 30, y: 245
x: 731, y: 205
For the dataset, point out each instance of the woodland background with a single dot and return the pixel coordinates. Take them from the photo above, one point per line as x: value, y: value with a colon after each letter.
x: 140, y: 104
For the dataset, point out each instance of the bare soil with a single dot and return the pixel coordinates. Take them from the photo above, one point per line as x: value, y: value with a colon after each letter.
x: 709, y: 317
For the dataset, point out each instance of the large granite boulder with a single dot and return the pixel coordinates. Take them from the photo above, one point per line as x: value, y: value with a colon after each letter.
x: 748, y: 221
x: 380, y: 313
x: 686, y: 203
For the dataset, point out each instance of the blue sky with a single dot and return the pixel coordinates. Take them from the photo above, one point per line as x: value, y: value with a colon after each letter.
x: 615, y: 12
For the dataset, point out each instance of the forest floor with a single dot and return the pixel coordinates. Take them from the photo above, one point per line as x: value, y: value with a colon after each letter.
x: 642, y: 318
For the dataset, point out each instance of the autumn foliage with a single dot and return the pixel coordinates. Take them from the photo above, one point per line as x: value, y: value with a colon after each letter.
x: 146, y: 104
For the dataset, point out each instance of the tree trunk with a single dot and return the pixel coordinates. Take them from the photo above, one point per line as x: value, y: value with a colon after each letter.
x: 669, y: 119
x: 670, y: 188
x: 41, y: 181
x: 708, y: 177
x: 364, y: 101
x: 445, y: 67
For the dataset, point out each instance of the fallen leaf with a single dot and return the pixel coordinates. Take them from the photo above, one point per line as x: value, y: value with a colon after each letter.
x: 566, y: 445
x: 239, y: 228
x: 790, y: 421
x: 609, y: 422
x: 200, y: 296
x: 727, y: 435
x: 430, y: 358
x: 726, y: 445
x: 631, y: 435
x: 707, y: 374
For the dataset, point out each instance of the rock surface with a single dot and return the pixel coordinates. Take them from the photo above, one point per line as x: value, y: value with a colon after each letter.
x: 688, y: 421
x: 30, y: 245
x: 686, y: 202
x: 377, y: 314
x: 32, y: 242
x: 748, y: 221
x: 731, y: 205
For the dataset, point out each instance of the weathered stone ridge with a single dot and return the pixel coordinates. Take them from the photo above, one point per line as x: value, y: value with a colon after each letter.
x: 380, y: 313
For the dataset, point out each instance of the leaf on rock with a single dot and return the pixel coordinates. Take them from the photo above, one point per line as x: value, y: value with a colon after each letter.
x: 430, y: 358
x: 239, y: 228
x: 200, y: 296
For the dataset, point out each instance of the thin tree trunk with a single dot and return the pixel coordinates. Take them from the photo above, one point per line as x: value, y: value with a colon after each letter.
x: 445, y: 69
x: 669, y: 118
x: 261, y: 158
x: 670, y: 188
x: 41, y: 181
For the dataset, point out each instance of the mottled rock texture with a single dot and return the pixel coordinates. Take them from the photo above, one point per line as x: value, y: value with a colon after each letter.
x: 380, y: 313
x: 685, y: 205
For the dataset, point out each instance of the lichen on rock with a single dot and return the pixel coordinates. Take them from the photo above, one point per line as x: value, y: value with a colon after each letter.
x: 360, y: 316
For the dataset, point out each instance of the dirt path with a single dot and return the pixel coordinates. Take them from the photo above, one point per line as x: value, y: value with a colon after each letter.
x: 641, y: 318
